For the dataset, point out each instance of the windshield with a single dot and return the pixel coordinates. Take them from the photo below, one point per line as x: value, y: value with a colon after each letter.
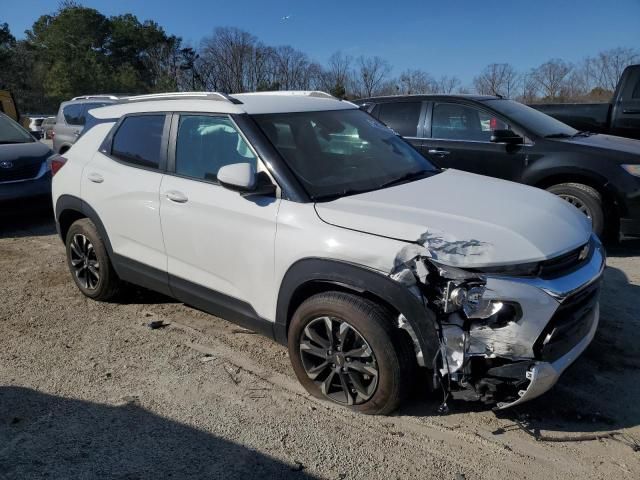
x: 342, y: 152
x: 11, y: 132
x: 531, y: 119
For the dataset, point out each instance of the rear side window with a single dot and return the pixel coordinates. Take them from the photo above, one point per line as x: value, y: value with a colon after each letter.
x: 636, y: 91
x: 73, y: 114
x: 138, y: 140
x: 402, y: 117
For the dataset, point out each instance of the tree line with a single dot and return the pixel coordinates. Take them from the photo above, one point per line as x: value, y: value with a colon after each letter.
x: 78, y: 50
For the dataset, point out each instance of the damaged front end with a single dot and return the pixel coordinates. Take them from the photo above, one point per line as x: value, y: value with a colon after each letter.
x: 505, y: 334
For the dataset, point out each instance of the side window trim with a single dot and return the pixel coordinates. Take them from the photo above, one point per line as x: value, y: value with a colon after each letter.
x: 107, y: 145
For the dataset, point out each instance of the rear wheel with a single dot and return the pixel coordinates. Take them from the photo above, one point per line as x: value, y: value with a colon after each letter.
x: 344, y: 348
x: 89, y: 262
x: 586, y: 199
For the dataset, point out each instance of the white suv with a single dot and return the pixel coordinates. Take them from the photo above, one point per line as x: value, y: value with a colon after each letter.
x: 303, y: 218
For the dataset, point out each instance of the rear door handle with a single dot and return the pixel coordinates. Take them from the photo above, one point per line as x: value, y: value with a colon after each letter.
x: 95, y: 177
x: 631, y: 111
x: 438, y: 153
x: 177, y: 197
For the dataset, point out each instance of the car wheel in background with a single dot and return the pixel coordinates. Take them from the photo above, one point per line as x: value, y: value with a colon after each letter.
x: 89, y: 262
x: 586, y: 199
x: 345, y: 349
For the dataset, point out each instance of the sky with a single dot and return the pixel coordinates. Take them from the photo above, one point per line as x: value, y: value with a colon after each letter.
x: 450, y: 37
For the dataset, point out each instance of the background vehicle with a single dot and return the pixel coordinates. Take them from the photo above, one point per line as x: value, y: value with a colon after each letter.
x: 619, y: 117
x: 339, y: 240
x: 599, y: 174
x: 33, y: 123
x: 23, y: 163
x: 72, y: 117
x: 47, y: 127
x: 8, y: 105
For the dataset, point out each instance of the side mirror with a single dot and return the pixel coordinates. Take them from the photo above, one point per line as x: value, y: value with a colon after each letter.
x: 238, y: 176
x: 242, y: 177
x: 506, y: 136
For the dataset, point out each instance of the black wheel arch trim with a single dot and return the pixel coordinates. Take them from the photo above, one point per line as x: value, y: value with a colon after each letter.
x: 359, y: 279
x: 70, y: 202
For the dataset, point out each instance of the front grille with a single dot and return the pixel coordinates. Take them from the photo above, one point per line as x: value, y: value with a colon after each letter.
x: 570, y: 324
x: 565, y: 264
x: 19, y: 172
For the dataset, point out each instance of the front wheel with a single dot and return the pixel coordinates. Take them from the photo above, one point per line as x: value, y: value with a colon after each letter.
x: 345, y: 349
x: 586, y: 199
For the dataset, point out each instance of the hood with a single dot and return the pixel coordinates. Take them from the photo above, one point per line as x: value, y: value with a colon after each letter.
x: 23, y: 154
x: 607, y: 142
x: 466, y: 220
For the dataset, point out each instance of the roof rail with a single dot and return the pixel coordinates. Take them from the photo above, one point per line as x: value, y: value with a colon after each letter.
x: 88, y: 97
x: 306, y: 93
x: 182, y: 95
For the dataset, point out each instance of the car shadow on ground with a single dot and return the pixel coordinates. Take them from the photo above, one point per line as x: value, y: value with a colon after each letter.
x: 46, y: 436
x: 597, y: 395
x: 629, y: 247
x: 28, y: 218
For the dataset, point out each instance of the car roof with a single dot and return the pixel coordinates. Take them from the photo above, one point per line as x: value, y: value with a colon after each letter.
x: 214, y: 102
x: 430, y: 96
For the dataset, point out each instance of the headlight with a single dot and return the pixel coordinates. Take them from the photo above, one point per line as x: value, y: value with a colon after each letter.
x: 632, y: 169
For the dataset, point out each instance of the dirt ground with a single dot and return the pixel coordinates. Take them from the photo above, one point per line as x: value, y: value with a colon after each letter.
x: 87, y: 390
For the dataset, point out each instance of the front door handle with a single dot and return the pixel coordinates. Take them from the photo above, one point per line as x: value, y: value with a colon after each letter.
x: 95, y: 177
x: 631, y: 111
x: 177, y: 197
x: 438, y: 153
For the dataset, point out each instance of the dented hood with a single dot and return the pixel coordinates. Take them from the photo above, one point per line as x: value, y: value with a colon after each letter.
x: 466, y: 220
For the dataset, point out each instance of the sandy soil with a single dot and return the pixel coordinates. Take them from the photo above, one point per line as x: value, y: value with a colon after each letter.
x: 87, y: 390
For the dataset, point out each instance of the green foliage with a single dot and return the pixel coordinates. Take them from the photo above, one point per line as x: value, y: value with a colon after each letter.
x: 78, y: 50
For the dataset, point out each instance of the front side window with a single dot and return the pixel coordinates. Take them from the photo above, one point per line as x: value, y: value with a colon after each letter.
x: 73, y: 114
x: 636, y: 91
x: 11, y: 132
x: 138, y: 140
x: 453, y: 121
x: 207, y: 143
x: 342, y: 152
x: 402, y: 117
x: 533, y: 120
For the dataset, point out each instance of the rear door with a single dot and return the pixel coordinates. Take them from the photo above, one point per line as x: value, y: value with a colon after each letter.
x: 404, y: 117
x: 122, y: 183
x: 459, y: 134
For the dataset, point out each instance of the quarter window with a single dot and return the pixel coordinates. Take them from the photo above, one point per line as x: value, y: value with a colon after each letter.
x: 73, y: 114
x: 207, y: 143
x: 461, y: 122
x: 402, y: 117
x: 138, y: 140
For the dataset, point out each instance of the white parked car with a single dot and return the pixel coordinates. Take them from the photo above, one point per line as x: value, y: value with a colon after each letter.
x: 303, y: 218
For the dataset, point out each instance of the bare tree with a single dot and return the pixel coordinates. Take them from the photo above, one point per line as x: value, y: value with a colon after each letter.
x: 412, y: 82
x: 371, y: 74
x: 497, y: 79
x: 337, y: 75
x: 447, y: 84
x: 551, y: 77
x: 607, y: 67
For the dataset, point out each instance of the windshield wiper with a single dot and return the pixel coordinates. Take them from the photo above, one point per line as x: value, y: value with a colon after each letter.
x: 583, y: 134
x: 558, y: 135
x: 10, y: 142
x: 344, y: 193
x: 407, y: 177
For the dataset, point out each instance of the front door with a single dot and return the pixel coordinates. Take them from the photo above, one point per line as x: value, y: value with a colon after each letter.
x: 460, y: 139
x: 219, y: 243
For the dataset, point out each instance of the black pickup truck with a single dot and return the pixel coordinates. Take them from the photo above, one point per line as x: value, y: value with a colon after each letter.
x: 621, y: 117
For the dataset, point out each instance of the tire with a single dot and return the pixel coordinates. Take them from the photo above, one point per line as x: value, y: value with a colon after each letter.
x: 369, y: 330
x: 89, y: 262
x: 586, y: 199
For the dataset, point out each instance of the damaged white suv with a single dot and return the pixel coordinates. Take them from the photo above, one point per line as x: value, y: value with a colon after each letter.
x: 303, y: 218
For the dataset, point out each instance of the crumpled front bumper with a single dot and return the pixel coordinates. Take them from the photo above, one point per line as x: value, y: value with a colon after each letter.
x: 544, y: 375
